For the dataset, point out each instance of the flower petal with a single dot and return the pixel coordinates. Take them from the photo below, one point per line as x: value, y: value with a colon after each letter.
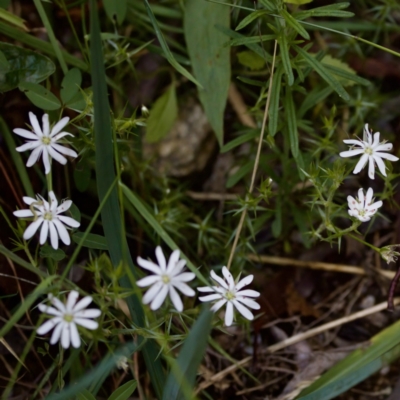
x: 62, y: 231
x: 185, y: 289
x: 57, y: 156
x: 229, y: 314
x: 55, y: 337
x: 23, y: 213
x: 66, y: 335
x: 176, y: 300
x: 184, y: 277
x: 387, y: 156
x: 26, y: 134
x: 69, y: 221
x: 161, y: 258
x: 149, y: 265
x: 361, y: 163
x: 243, y: 310
x: 89, y: 313
x: 159, y: 299
x: 228, y: 277
x: 210, y: 297
x: 148, y: 280
x: 28, y: 146
x: 244, y: 282
x: 152, y: 292
x: 32, y: 228
x: 53, y: 236
x: 173, y: 260
x: 83, y: 303
x: 46, y: 160
x: 351, y: 153
x: 248, y: 293
x: 249, y: 303
x: 87, y: 323
x: 218, y: 305
x: 34, y: 156
x: 205, y: 289
x: 35, y: 124
x: 71, y: 301
x: 44, y: 232
x: 75, y: 338
x: 219, y: 280
x: 48, y: 325
x: 49, y: 310
x: 59, y: 126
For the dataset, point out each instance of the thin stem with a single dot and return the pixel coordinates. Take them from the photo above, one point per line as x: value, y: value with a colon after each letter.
x: 49, y: 181
x: 257, y: 160
x: 366, y: 243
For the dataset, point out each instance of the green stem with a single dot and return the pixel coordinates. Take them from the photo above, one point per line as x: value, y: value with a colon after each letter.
x: 377, y: 249
x: 49, y: 181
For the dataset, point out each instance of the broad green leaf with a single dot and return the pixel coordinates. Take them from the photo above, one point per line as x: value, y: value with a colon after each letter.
x: 162, y: 115
x: 167, y: 52
x: 183, y: 373
x: 92, y: 240
x: 110, y: 213
x: 47, y: 251
x: 285, y: 56
x: 96, y: 374
x: 293, y: 23
x: 345, y: 75
x: 322, y: 71
x: 291, y: 122
x: 274, y: 104
x: 5, y: 3
x: 383, y: 349
x: 70, y: 85
x: 251, y: 60
x: 85, y: 395
x: 23, y: 66
x: 116, y: 10
x: 12, y: 19
x: 40, y: 96
x: 124, y: 391
x: 250, y: 18
x: 209, y: 57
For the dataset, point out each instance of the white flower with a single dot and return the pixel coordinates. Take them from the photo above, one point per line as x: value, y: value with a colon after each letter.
x: 371, y: 151
x: 166, y: 279
x: 47, y: 215
x: 363, y: 208
x: 45, y: 141
x: 230, y: 293
x: 66, y: 317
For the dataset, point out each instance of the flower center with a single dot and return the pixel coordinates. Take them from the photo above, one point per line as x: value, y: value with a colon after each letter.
x: 230, y: 296
x: 68, y: 317
x: 369, y: 151
x: 46, y: 140
x: 48, y: 216
x: 166, y: 279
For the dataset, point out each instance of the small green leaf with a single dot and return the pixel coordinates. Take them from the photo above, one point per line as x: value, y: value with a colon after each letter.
x: 47, y: 251
x: 322, y: 71
x: 40, y: 96
x: 124, y: 391
x: 116, y: 10
x: 70, y: 85
x: 162, y: 115
x: 331, y: 10
x: 293, y: 23
x: 23, y: 65
x: 251, y: 60
x: 75, y: 213
x: 250, y: 18
x: 92, y: 241
x: 85, y: 395
x: 239, y: 174
x: 285, y: 56
x: 291, y: 122
x: 250, y: 40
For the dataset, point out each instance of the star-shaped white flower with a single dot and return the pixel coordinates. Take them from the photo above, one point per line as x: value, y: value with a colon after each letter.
x: 48, y: 215
x: 166, y: 279
x: 363, y: 207
x: 45, y: 141
x: 371, y: 152
x: 230, y: 293
x: 67, y: 317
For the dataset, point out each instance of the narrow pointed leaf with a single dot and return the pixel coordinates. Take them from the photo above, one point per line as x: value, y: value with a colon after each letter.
x: 110, y: 213
x: 285, y: 56
x: 274, y: 104
x: 92, y: 241
x: 183, y: 373
x: 323, y: 72
x: 124, y: 391
x: 293, y: 23
x: 291, y: 123
x: 164, y: 46
x: 250, y: 18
